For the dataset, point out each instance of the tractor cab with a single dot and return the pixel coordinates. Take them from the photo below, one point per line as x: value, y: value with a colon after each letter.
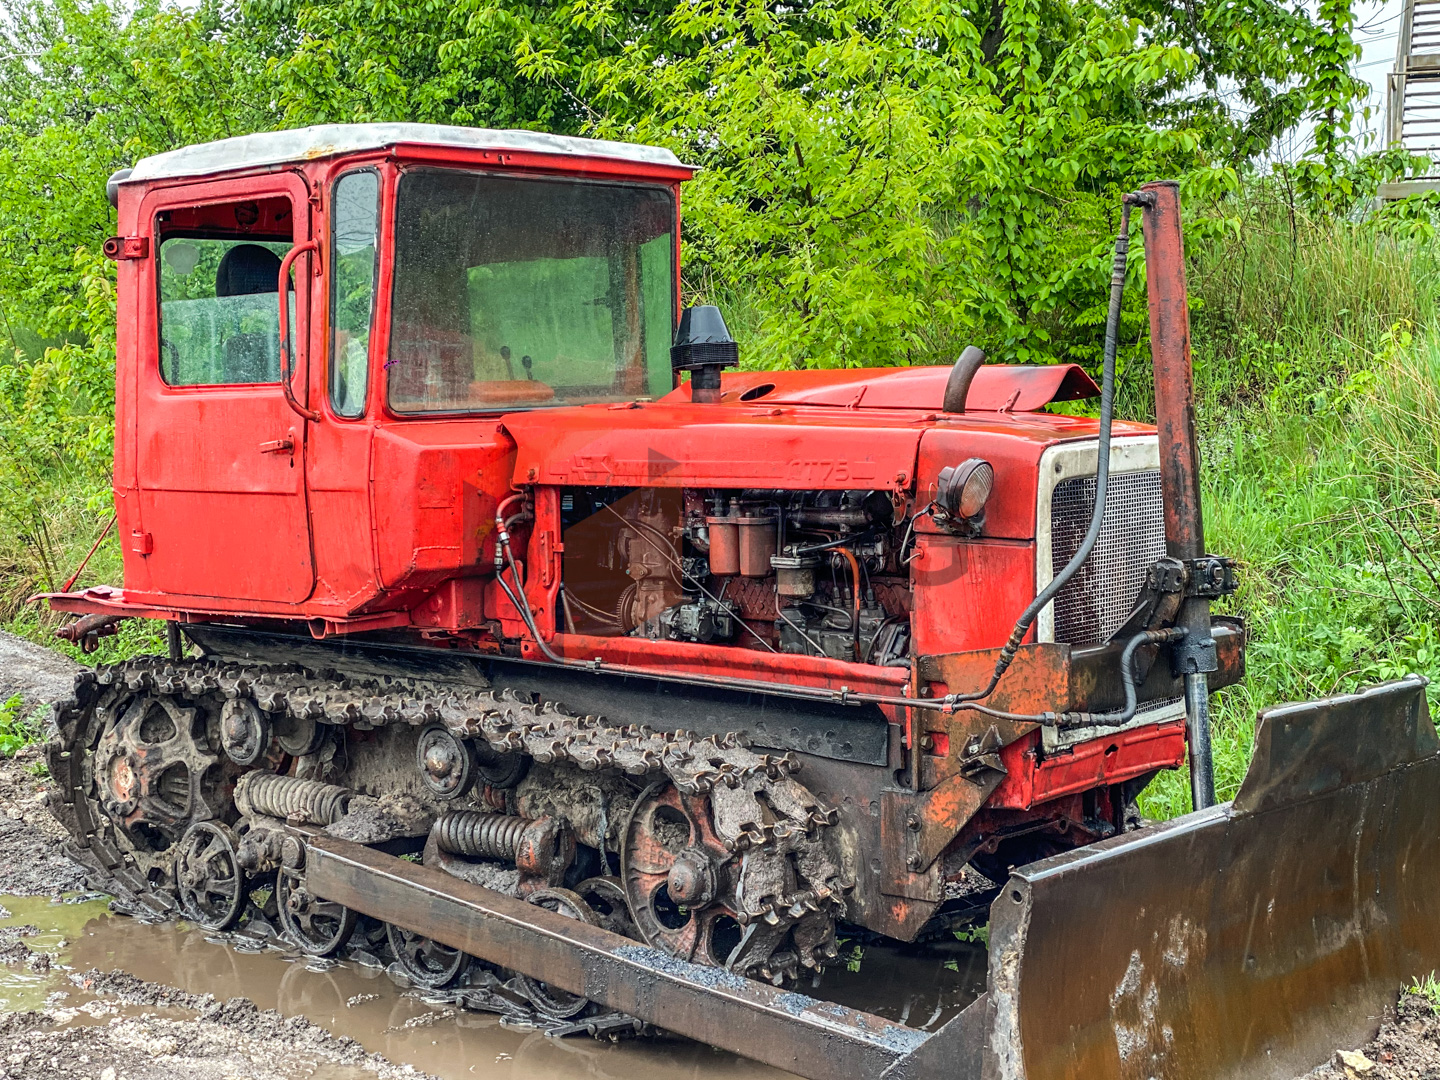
x: 287, y: 297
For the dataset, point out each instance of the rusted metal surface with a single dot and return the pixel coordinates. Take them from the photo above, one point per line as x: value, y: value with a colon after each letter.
x: 1174, y: 387
x: 1179, y: 459
x: 1246, y: 940
x: 1037, y: 681
x: 791, y: 1031
x: 915, y: 830
x: 1340, y: 741
x: 1095, y: 684
x: 86, y: 630
x: 1057, y: 677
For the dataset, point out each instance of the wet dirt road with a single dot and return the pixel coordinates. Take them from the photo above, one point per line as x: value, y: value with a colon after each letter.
x: 435, y: 1038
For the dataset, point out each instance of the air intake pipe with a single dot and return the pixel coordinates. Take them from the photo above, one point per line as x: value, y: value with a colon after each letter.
x: 703, y: 346
x: 957, y: 387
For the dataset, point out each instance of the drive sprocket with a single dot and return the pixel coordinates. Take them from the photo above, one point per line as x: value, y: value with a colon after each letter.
x: 135, y: 767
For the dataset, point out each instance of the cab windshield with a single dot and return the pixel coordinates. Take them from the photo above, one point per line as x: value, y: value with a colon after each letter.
x: 528, y: 292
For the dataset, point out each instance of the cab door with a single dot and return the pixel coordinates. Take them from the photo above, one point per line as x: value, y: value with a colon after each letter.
x: 220, y: 453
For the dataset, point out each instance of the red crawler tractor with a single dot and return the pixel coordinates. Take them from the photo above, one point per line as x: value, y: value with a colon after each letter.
x: 657, y: 680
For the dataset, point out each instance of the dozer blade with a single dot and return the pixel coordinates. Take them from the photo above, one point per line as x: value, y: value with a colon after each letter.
x: 1249, y: 940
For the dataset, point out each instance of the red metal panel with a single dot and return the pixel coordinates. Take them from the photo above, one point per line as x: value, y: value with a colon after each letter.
x: 1098, y: 763
x: 968, y: 593
x: 129, y: 276
x: 679, y: 656
x: 1013, y: 446
x: 996, y: 387
x: 545, y: 548
x: 227, y: 519
x: 436, y: 485
x: 712, y: 446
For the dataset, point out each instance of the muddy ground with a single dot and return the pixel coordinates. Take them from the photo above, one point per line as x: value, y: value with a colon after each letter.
x: 112, y: 1026
x: 106, y: 1024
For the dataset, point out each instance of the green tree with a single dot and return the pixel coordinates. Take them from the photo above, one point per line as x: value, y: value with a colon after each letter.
x: 87, y: 88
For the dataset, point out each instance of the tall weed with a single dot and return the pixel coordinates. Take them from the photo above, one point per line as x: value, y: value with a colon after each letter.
x: 1330, y: 504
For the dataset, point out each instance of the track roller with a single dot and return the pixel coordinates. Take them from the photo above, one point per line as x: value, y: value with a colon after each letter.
x: 426, y: 963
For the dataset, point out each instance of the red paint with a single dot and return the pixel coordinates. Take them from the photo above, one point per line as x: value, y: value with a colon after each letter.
x: 120, y: 248
x: 684, y: 445
x: 968, y: 593
x: 996, y: 387
x: 1098, y: 763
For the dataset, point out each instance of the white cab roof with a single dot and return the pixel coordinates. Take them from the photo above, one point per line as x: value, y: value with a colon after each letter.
x: 327, y: 140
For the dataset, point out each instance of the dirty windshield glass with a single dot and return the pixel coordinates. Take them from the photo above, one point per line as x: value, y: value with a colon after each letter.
x: 525, y: 292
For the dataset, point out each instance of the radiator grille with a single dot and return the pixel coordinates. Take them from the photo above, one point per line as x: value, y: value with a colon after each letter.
x: 1093, y: 605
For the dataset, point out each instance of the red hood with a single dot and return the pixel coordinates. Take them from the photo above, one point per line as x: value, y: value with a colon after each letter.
x: 764, y: 445
x: 996, y: 387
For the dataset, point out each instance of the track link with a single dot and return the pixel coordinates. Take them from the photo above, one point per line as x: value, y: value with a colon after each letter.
x: 761, y: 814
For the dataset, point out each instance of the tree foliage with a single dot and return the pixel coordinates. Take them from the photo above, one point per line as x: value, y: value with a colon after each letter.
x: 881, y: 179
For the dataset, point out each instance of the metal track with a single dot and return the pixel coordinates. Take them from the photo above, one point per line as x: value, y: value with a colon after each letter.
x: 761, y: 813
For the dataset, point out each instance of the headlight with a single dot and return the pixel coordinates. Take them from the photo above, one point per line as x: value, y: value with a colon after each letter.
x: 963, y: 490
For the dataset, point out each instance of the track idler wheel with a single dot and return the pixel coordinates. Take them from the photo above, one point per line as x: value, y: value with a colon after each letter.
x: 208, y: 877
x: 316, y: 927
x: 245, y: 732
x: 447, y: 763
x: 676, y: 874
x: 426, y: 963
x: 605, y: 896
x: 550, y: 1001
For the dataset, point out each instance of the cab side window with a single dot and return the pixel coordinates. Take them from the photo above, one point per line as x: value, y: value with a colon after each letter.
x: 219, y: 285
x: 355, y: 211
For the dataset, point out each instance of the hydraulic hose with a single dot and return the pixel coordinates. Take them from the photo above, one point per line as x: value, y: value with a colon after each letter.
x: 1102, y: 469
x: 1121, y: 717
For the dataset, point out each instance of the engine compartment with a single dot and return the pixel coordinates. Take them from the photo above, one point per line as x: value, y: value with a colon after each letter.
x: 817, y: 573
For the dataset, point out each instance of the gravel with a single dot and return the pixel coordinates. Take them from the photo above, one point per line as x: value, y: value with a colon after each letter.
x: 39, y: 675
x: 1407, y: 1048
x: 217, y: 1040
x: 30, y: 860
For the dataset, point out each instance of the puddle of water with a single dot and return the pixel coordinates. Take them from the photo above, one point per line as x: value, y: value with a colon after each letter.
x: 921, y: 989
x: 59, y: 925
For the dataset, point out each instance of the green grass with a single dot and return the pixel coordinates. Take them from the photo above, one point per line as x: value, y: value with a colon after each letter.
x: 1320, y: 436
x: 17, y: 730
x: 136, y: 637
x: 1428, y: 989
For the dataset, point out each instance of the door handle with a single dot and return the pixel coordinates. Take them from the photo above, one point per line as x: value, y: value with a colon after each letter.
x: 278, y: 446
x: 285, y: 264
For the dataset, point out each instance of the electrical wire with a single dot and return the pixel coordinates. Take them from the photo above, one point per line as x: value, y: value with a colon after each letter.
x: 905, y: 560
